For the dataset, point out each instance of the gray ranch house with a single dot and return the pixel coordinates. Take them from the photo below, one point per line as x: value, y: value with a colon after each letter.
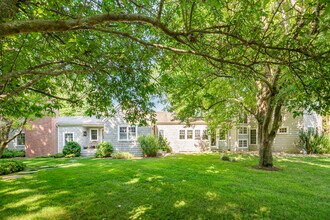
x: 48, y: 135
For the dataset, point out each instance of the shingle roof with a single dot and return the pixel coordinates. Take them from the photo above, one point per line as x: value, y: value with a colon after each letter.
x: 169, y: 118
x: 79, y: 120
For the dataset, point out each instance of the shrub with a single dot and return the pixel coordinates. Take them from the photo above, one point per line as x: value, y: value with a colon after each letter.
x: 72, y: 147
x: 149, y: 145
x: 313, y: 142
x: 70, y: 156
x: 8, y: 153
x: 122, y: 155
x: 104, y: 149
x: 57, y: 155
x: 164, y: 144
x: 10, y: 166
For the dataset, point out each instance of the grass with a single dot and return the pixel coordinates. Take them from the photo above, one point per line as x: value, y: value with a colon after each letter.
x: 176, y: 187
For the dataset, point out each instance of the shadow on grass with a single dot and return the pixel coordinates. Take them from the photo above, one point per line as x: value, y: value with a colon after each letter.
x: 193, y: 187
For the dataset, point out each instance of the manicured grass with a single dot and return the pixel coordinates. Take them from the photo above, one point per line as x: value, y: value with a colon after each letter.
x: 176, y: 187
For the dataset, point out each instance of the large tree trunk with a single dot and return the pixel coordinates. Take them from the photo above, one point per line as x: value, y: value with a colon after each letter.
x: 9, y: 131
x: 269, y: 116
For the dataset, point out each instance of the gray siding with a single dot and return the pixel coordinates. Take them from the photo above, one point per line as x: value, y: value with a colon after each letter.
x: 111, y: 134
x: 77, y: 136
x: 171, y: 133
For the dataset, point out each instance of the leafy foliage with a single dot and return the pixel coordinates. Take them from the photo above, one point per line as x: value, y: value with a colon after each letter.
x: 313, y: 142
x: 164, y: 144
x: 8, y: 153
x: 149, y: 145
x: 72, y: 148
x: 122, y: 155
x: 104, y: 149
x: 10, y: 166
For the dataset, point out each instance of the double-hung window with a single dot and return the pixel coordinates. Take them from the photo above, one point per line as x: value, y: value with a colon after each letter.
x: 189, y: 134
x: 205, y: 135
x: 242, y: 130
x: 182, y: 134
x: 21, y: 139
x: 197, y: 134
x: 253, y: 136
x: 127, y: 133
x: 94, y: 135
x: 68, y: 137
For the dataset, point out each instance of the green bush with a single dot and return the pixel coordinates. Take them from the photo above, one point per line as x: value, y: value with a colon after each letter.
x: 57, y: 155
x: 72, y: 147
x: 314, y: 143
x: 104, y: 149
x: 149, y: 145
x: 164, y: 144
x: 122, y: 155
x: 10, y: 166
x: 8, y: 153
x: 70, y: 155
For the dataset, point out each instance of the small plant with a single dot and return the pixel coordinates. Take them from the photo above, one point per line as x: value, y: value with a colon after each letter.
x: 122, y: 155
x: 72, y: 147
x: 70, y: 156
x: 10, y: 166
x: 57, y: 155
x: 313, y: 143
x: 149, y: 145
x: 164, y: 145
x: 8, y: 153
x: 104, y: 149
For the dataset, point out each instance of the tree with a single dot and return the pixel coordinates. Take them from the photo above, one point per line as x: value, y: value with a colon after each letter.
x: 270, y: 44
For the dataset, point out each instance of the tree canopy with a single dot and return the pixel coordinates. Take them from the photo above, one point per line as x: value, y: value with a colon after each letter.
x: 214, y: 57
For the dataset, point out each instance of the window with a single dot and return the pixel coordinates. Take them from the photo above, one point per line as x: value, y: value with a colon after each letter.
x: 222, y: 135
x: 21, y: 139
x: 131, y: 132
x: 205, y: 135
x: 253, y: 136
x: 182, y: 134
x: 161, y: 133
x: 68, y: 137
x: 197, y: 134
x: 242, y: 143
x: 242, y: 130
x: 127, y: 132
x: 283, y: 130
x: 94, y: 135
x: 189, y: 134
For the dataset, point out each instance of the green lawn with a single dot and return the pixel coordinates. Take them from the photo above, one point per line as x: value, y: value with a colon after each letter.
x: 176, y: 187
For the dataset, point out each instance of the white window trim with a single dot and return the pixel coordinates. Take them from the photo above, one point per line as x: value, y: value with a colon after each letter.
x: 185, y: 135
x: 127, y: 138
x: 200, y: 134
x: 64, y: 133
x: 247, y: 142
x: 247, y: 130
x: 19, y: 145
x: 287, y: 130
x: 256, y: 135
x: 97, y: 134
x: 192, y: 137
x: 207, y: 134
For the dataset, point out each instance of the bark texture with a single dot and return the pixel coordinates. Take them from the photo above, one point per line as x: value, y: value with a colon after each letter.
x: 269, y: 116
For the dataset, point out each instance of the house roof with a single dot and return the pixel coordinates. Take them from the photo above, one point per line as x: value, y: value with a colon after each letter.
x: 79, y: 120
x: 169, y: 118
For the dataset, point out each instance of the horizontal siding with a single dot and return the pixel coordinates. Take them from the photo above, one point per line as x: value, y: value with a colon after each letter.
x: 171, y: 133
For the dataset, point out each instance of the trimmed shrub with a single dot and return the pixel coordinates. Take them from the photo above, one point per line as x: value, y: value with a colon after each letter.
x: 8, y: 153
x: 164, y: 145
x: 122, y: 155
x: 70, y: 156
x: 57, y: 155
x: 10, y: 166
x: 104, y: 149
x: 149, y: 145
x: 72, y: 147
x: 314, y: 143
